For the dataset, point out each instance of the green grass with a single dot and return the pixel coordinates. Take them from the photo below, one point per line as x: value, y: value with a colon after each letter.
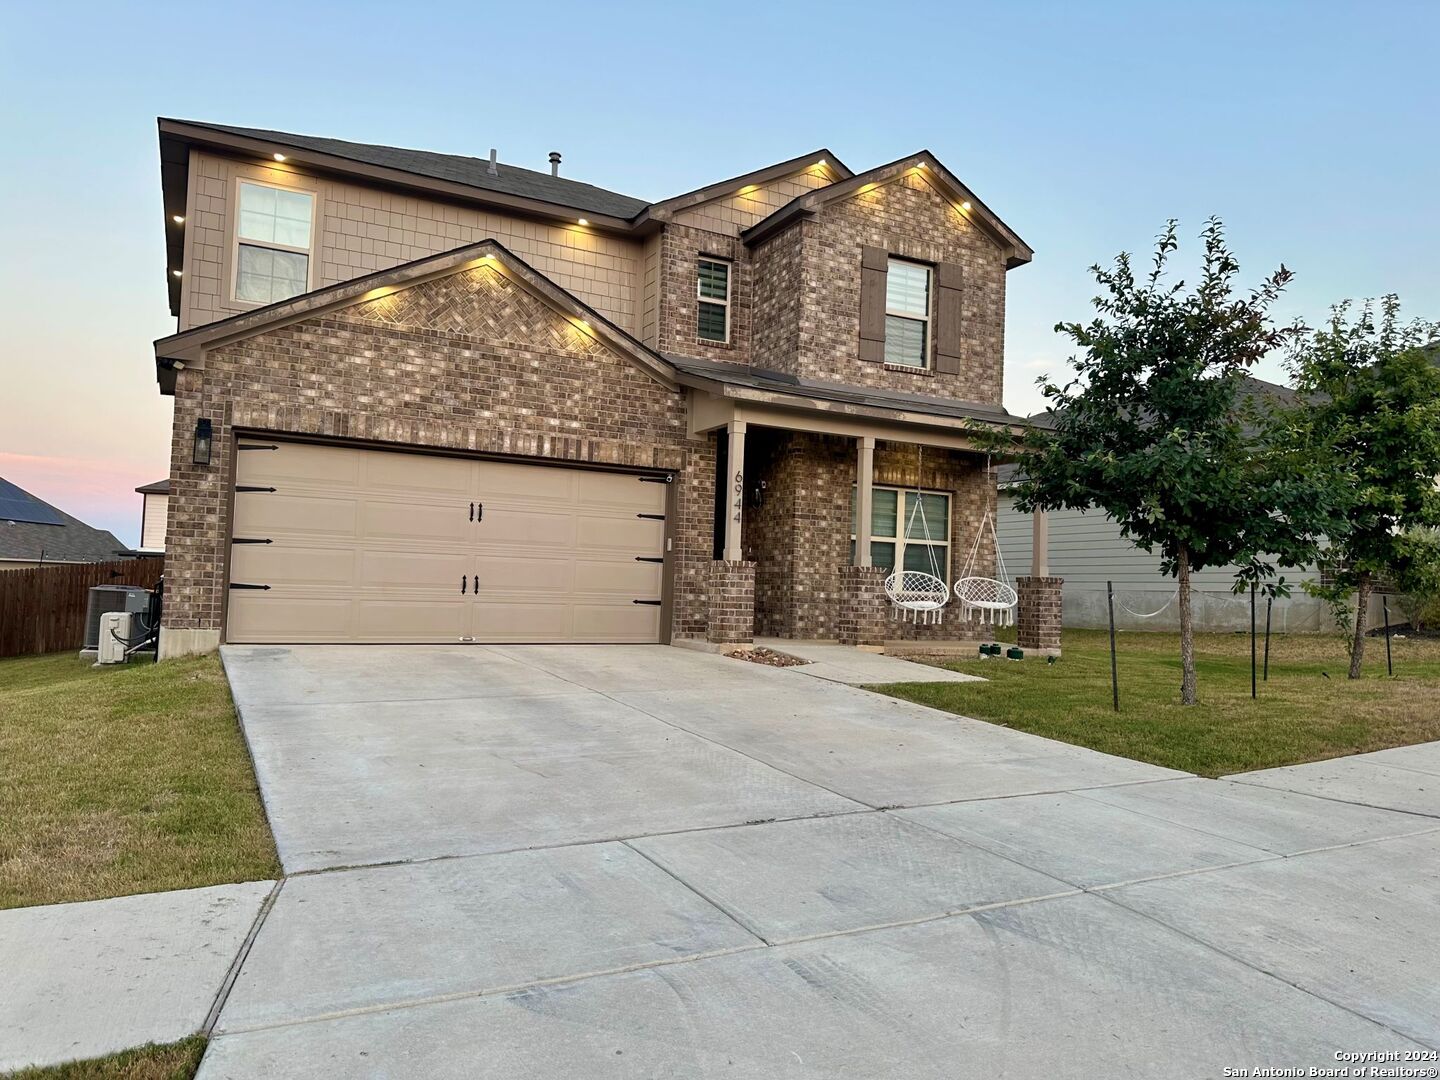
x: 173, y: 1061
x: 1300, y: 715
x: 123, y: 780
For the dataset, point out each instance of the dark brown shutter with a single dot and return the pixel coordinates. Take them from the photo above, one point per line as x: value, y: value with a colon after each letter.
x: 949, y: 319
x: 873, y: 264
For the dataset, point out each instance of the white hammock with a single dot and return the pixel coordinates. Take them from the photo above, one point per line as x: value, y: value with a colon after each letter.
x: 919, y: 595
x: 992, y: 600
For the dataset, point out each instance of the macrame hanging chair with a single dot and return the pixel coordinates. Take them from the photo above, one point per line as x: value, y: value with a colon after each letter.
x: 990, y: 600
x: 914, y: 594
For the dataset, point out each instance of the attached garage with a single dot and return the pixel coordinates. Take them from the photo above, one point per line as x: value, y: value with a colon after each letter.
x: 342, y: 544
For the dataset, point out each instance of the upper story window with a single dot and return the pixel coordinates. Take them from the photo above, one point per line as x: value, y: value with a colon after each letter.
x: 907, y: 313
x: 273, y: 229
x: 712, y: 290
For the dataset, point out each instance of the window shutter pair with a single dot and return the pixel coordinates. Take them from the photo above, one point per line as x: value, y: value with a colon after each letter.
x: 947, y: 321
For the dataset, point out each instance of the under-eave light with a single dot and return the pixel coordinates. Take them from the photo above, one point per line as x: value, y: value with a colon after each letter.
x: 965, y: 206
x: 582, y: 221
x: 174, y: 273
x: 279, y: 157
x: 820, y: 164
x: 178, y: 219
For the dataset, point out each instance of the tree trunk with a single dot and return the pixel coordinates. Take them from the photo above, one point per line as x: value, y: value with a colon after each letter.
x: 1187, y: 633
x: 1362, y: 609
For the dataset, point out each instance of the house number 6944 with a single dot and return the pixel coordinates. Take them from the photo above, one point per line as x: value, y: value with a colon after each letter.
x: 739, y: 493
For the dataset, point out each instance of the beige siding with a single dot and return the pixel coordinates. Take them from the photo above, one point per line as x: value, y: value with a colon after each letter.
x: 360, y: 230
x: 650, y: 292
x: 730, y: 216
x: 152, y: 522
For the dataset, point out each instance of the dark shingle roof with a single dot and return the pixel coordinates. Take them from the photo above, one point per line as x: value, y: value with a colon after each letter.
x: 159, y: 487
x: 780, y: 382
x: 70, y: 541
x: 457, y: 169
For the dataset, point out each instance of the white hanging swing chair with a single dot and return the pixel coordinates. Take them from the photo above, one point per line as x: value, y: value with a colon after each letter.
x: 991, y: 600
x: 915, y: 594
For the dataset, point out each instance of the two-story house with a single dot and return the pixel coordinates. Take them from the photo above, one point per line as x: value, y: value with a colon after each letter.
x: 429, y: 398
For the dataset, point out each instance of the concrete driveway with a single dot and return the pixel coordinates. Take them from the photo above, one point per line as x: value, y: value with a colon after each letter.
x: 643, y: 861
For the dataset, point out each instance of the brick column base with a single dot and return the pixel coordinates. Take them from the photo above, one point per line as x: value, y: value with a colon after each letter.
x: 730, y: 594
x: 1037, y: 623
x: 864, y: 609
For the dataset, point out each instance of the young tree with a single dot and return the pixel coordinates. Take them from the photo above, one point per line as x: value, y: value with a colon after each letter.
x: 1153, y: 429
x: 1370, y: 402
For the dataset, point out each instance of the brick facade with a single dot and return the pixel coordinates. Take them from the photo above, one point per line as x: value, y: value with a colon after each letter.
x: 730, y: 596
x: 472, y: 362
x: 1037, y: 622
x: 864, y: 617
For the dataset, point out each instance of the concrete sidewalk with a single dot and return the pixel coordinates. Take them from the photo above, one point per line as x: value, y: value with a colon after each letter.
x: 84, y: 980
x: 858, y: 667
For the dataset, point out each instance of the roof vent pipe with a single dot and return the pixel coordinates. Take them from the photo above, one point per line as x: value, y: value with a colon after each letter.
x: 494, y: 169
x: 554, y: 162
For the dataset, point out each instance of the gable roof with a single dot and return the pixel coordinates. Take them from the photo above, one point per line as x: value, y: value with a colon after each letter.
x: 187, y: 349
x: 38, y: 530
x: 667, y: 208
x: 965, y: 201
x: 472, y: 172
x: 159, y: 487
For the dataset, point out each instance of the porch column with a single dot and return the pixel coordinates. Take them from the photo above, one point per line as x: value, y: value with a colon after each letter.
x: 864, y: 497
x: 1039, y: 545
x: 734, y: 491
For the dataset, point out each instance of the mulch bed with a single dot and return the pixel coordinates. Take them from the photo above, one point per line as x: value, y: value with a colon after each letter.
x: 768, y: 657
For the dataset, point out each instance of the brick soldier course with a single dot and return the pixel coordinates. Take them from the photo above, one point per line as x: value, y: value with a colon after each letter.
x: 569, y: 359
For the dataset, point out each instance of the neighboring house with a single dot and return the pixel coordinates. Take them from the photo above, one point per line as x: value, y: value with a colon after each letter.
x: 1087, y: 551
x: 154, y: 508
x: 34, y: 533
x: 429, y: 398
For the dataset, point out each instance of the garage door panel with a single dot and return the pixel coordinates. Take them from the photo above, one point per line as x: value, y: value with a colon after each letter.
x: 298, y: 466
x: 282, y: 617
x: 381, y: 619
x: 630, y: 580
x: 424, y: 571
x: 278, y: 564
x: 616, y: 623
x: 416, y: 523
x: 505, y: 527
x: 372, y: 546
x: 264, y: 514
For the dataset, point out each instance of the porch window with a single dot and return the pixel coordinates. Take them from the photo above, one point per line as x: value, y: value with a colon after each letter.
x: 273, y: 228
x: 907, y: 314
x: 901, y: 534
x: 712, y: 291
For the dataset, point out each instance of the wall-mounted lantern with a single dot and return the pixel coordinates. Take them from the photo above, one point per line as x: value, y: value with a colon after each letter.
x: 203, y: 437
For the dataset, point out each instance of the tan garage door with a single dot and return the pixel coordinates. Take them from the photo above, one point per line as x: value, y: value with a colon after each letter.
x: 333, y: 544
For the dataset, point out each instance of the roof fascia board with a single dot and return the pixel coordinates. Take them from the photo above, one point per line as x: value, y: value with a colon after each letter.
x: 448, y: 189
x: 189, y: 347
x: 665, y: 209
x: 1017, y: 252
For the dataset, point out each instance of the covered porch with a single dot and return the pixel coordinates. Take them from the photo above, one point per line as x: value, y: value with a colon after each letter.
x: 796, y: 474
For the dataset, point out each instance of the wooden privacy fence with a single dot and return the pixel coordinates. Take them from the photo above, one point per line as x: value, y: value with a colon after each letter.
x: 43, y: 609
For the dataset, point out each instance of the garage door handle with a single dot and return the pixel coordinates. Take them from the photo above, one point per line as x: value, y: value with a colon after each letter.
x: 463, y: 582
x: 477, y: 584
x: 472, y: 511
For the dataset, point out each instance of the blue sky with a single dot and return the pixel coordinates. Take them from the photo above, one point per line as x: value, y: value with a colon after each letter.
x: 1310, y: 128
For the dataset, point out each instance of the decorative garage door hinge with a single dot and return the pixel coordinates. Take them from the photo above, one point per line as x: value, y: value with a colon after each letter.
x: 252, y: 487
x: 651, y: 517
x: 242, y: 585
x: 250, y: 540
x: 649, y: 558
x: 647, y: 603
x: 668, y: 478
x: 255, y: 446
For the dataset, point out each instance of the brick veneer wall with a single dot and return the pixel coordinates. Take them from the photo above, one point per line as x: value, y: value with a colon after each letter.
x: 730, y: 593
x: 864, y: 617
x: 681, y: 248
x: 1037, y: 622
x: 908, y: 218
x: 799, y: 537
x: 468, y: 362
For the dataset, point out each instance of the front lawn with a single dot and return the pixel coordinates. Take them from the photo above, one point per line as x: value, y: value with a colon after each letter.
x: 1301, y: 715
x: 173, y: 1061
x: 123, y: 780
